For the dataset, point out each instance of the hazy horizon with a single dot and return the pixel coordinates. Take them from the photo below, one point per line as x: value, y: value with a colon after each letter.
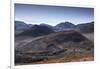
x: 52, y: 15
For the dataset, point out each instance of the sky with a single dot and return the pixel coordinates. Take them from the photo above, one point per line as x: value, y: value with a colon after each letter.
x: 52, y: 15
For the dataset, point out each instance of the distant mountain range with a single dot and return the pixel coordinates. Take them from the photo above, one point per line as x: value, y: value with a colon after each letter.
x: 19, y: 25
x: 64, y: 26
x: 22, y: 28
x: 37, y: 30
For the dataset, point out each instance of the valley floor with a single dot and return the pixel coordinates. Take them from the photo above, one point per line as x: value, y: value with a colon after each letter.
x: 64, y: 60
x: 68, y: 59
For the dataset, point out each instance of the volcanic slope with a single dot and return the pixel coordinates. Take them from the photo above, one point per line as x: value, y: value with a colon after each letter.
x: 54, y: 46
